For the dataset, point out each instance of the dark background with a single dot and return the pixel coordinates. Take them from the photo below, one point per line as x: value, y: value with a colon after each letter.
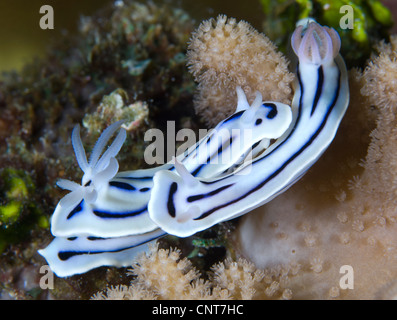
x: 21, y: 38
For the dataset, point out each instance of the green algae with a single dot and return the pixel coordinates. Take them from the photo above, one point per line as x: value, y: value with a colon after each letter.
x: 16, y: 187
x: 19, y: 213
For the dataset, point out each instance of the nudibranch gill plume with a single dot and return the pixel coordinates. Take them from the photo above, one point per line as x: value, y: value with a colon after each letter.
x: 107, y: 218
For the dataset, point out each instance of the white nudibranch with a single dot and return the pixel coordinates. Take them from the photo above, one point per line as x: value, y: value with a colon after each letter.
x: 244, y: 162
x: 320, y: 101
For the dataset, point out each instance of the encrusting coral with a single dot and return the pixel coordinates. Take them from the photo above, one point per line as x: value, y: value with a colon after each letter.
x: 223, y: 54
x: 343, y: 212
x: 113, y: 108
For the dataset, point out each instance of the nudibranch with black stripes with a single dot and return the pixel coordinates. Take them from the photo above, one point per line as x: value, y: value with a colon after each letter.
x: 111, y: 215
x: 320, y: 100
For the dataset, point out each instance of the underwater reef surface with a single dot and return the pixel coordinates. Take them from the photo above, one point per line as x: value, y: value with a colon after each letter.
x: 132, y: 67
x: 129, y: 62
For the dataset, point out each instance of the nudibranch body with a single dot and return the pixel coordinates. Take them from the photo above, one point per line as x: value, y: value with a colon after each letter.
x: 111, y: 215
x: 320, y: 101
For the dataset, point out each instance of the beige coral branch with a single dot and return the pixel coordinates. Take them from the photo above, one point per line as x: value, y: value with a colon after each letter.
x: 223, y: 54
x: 162, y: 274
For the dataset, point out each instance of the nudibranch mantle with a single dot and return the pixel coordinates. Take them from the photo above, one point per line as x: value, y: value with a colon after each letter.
x: 111, y: 215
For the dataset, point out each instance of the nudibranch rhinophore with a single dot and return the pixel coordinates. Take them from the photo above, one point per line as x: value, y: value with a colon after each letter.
x: 245, y: 161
